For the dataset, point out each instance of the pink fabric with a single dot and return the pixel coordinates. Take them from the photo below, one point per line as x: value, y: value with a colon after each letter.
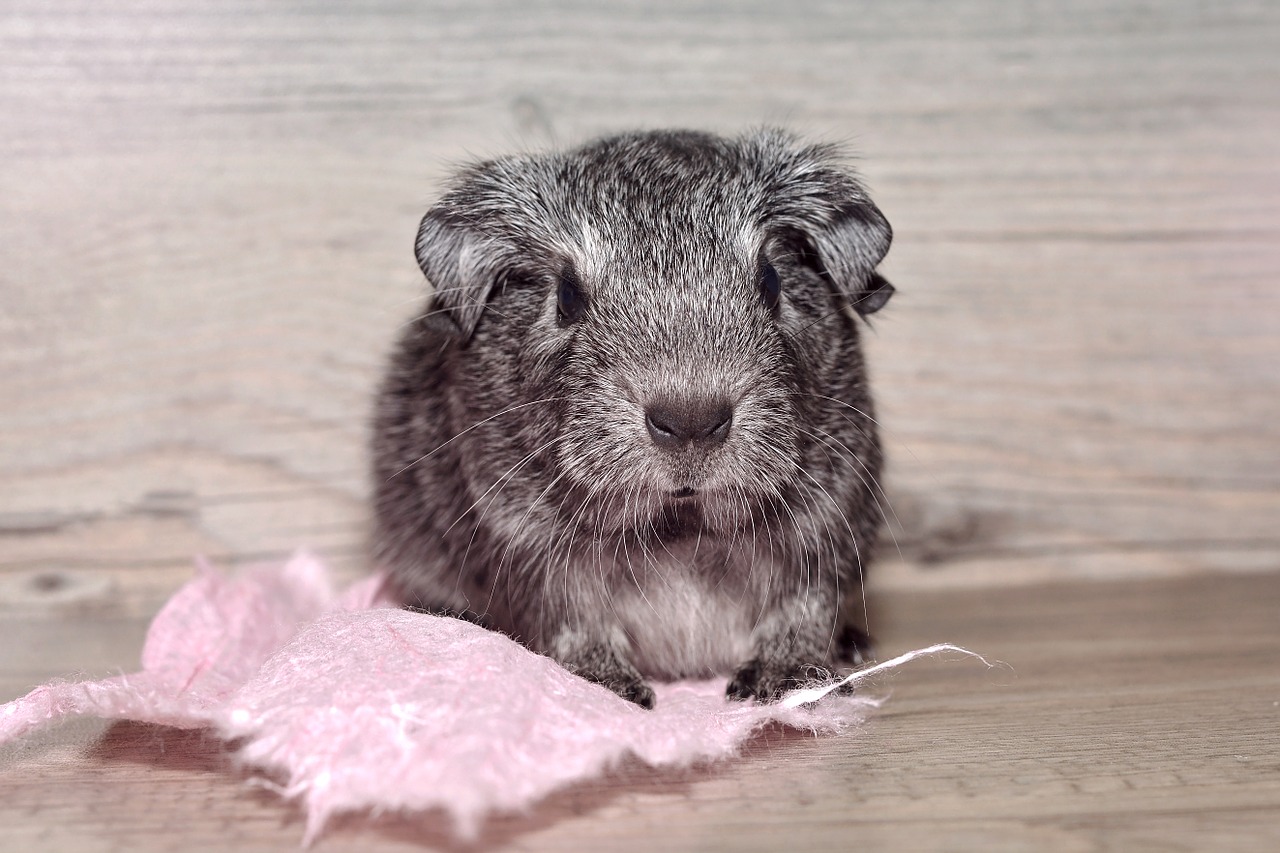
x: 357, y: 705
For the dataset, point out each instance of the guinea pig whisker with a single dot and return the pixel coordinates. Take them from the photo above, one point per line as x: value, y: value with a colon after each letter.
x: 500, y: 484
x: 834, y: 312
x: 435, y: 294
x: 874, y: 481
x: 480, y: 423
x: 843, y: 452
x: 437, y: 311
x: 737, y: 496
x: 827, y: 543
x: 504, y: 560
x: 853, y: 539
x: 580, y: 513
x: 548, y: 555
x: 847, y: 405
x: 755, y: 549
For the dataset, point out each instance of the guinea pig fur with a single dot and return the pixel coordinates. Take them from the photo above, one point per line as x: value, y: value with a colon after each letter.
x: 632, y: 427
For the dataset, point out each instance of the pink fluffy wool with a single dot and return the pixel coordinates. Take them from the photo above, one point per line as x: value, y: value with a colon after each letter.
x: 361, y: 706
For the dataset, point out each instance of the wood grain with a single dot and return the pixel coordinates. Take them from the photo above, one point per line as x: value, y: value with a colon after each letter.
x: 206, y: 219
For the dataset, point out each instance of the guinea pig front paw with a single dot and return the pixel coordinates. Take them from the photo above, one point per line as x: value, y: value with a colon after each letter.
x: 633, y: 689
x: 604, y: 663
x: 767, y: 680
x: 636, y: 691
x: 620, y: 677
x: 855, y: 646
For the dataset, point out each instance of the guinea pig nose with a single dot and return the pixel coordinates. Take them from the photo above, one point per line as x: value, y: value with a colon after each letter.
x: 672, y: 425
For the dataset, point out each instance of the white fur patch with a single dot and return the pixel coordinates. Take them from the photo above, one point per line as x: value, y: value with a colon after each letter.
x: 681, y: 623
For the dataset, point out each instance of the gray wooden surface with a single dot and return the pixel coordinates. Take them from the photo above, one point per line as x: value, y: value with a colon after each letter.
x: 206, y: 221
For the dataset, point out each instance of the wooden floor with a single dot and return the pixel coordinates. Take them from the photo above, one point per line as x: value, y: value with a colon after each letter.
x: 206, y: 221
x: 1124, y: 716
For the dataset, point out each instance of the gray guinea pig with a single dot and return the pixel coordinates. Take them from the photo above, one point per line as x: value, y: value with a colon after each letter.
x: 632, y: 427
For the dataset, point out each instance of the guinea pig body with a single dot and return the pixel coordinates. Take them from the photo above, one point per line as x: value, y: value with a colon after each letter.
x: 632, y: 428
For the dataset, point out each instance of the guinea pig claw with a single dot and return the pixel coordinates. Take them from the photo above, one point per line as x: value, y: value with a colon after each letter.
x: 766, y: 681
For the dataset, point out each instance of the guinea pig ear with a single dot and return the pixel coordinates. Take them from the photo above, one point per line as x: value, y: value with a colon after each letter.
x: 850, y: 240
x: 463, y: 265
x: 875, y: 295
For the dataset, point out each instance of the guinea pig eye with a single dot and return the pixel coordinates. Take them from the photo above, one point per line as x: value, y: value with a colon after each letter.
x: 770, y: 287
x: 570, y: 301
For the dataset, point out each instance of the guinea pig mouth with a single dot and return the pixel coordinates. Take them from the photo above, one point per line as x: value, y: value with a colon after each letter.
x: 678, y: 520
x: 684, y: 493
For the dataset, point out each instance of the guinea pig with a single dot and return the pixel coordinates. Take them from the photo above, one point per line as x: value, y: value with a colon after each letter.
x: 632, y: 427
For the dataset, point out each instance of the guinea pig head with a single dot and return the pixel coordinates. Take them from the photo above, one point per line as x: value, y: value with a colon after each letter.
x: 668, y: 307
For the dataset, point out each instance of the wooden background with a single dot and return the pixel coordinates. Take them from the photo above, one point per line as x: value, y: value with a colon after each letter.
x: 206, y: 222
